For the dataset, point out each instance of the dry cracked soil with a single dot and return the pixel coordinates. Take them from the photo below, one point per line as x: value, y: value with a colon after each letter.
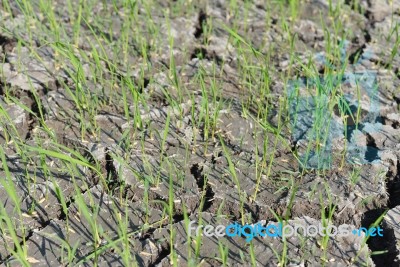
x: 148, y: 168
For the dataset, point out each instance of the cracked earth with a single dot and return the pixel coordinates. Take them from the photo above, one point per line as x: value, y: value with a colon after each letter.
x: 198, y: 176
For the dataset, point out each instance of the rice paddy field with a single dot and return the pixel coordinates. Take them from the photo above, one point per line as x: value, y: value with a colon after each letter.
x: 133, y: 131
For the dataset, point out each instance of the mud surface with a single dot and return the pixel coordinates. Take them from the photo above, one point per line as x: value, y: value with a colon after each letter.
x: 199, y: 176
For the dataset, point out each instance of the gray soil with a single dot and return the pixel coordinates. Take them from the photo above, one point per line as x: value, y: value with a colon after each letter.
x: 204, y: 170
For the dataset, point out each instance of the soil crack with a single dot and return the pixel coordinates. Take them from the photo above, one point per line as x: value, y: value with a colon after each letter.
x: 201, y: 21
x: 38, y: 112
x: 197, y: 171
x: 164, y: 253
x: 387, y: 242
